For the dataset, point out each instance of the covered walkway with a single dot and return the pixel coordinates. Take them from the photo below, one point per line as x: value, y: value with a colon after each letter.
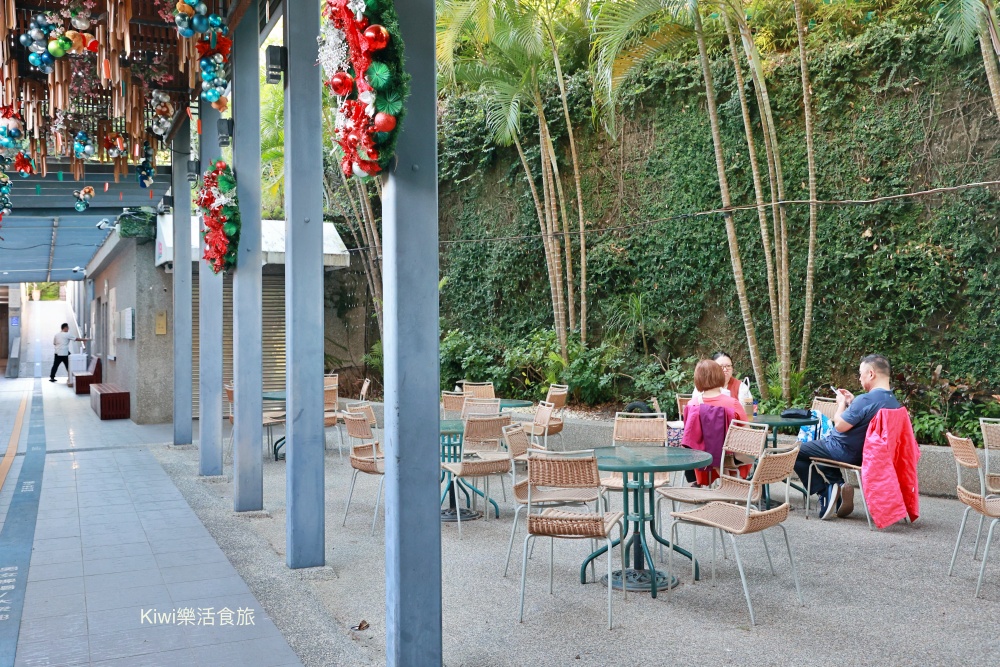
x: 111, y: 566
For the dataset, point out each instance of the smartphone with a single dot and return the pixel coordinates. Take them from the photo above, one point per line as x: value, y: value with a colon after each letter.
x: 834, y: 390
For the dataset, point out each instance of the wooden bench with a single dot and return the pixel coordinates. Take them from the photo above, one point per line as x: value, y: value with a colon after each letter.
x: 83, y: 381
x: 109, y: 401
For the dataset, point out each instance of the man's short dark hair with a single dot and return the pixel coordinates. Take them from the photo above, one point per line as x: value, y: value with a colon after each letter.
x: 64, y: 326
x: 878, y: 363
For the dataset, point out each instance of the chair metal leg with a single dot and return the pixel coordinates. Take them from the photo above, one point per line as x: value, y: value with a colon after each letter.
x: 979, y: 532
x: 986, y: 555
x: 743, y: 578
x: 714, y: 533
x: 552, y: 556
x: 610, y: 587
x: 458, y: 508
x: 340, y: 440
x: 809, y: 486
x: 768, y: 552
x: 791, y: 560
x: 350, y: 493
x: 378, y: 497
x: 510, y: 546
x: 861, y: 489
x: 524, y: 573
x: 961, y: 531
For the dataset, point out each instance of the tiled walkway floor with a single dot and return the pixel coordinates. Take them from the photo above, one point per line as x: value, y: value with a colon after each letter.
x: 114, y: 539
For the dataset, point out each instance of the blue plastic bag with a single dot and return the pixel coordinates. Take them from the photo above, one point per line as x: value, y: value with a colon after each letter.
x: 807, y: 433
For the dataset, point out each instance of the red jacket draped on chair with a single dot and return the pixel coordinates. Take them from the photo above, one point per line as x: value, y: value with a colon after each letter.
x: 889, y: 468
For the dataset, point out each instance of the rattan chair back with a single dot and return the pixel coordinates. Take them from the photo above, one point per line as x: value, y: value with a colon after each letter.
x: 479, y: 389
x: 640, y: 429
x: 654, y: 402
x: 480, y: 406
x: 358, y: 426
x: 964, y: 451
x: 745, y: 439
x: 231, y: 399
x: 331, y: 380
x: 825, y: 406
x: 991, y: 432
x: 516, y: 440
x: 682, y: 401
x: 557, y: 395
x: 452, y: 401
x: 774, y: 466
x: 365, y: 386
x: 543, y: 414
x: 484, y: 431
x: 566, y: 470
x: 331, y: 397
x: 364, y: 408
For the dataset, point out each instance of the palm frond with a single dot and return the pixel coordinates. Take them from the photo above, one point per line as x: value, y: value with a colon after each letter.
x: 962, y: 20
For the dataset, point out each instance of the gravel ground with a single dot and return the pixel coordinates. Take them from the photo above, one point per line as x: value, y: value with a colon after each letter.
x: 870, y: 597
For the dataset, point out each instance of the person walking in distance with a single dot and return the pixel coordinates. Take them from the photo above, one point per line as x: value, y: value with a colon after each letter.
x: 61, y: 342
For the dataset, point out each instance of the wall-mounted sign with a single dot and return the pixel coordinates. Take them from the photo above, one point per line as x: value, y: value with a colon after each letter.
x: 15, y: 320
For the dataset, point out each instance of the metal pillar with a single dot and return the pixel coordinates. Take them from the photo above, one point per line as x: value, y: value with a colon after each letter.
x: 304, y: 489
x: 209, y: 324
x: 248, y: 462
x: 180, y: 189
x: 410, y: 278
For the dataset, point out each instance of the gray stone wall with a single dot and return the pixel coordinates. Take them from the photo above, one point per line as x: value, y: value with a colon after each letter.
x: 152, y: 401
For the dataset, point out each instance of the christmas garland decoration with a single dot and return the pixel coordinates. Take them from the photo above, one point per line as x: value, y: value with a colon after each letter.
x: 221, y: 214
x: 194, y: 20
x: 361, y: 52
x: 6, y: 208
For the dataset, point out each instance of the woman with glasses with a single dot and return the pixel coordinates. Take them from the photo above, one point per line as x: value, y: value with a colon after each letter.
x: 733, y: 387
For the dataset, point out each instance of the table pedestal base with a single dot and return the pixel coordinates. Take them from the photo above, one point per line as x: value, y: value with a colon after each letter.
x: 638, y: 580
x: 451, y: 515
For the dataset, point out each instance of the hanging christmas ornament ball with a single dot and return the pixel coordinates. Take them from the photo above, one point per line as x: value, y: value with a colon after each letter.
x: 37, y: 34
x: 384, y: 122
x: 342, y: 84
x: 199, y: 23
x: 201, y: 8
x: 56, y: 49
x: 25, y: 40
x: 215, y: 21
x: 91, y: 43
x: 378, y: 75
x: 35, y: 60
x: 211, y: 95
x: 81, y: 205
x: 377, y: 36
x: 219, y: 58
x: 80, y: 22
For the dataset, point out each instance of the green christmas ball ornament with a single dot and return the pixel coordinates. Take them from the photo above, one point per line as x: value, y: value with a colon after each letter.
x: 382, y: 137
x: 378, y: 75
x: 371, y: 5
x: 230, y: 228
x: 390, y: 102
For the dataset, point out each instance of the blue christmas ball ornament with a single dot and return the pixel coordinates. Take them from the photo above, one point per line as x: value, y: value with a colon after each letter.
x: 35, y: 59
x: 46, y: 58
x: 182, y: 20
x: 212, y: 95
x: 24, y: 174
x: 25, y: 40
x: 14, y: 133
x: 215, y: 21
x: 199, y: 22
x: 209, y: 74
x: 201, y: 8
x: 81, y: 136
x: 81, y: 205
x: 206, y: 63
x: 185, y: 32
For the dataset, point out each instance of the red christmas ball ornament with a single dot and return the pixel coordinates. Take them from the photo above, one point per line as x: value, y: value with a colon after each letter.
x: 370, y: 167
x: 342, y: 84
x: 346, y: 167
x: 377, y: 36
x: 384, y: 122
x: 353, y: 139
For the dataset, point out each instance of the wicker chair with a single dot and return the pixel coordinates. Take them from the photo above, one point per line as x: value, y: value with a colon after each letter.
x: 682, y: 400
x: 332, y: 416
x: 451, y: 404
x: 518, y: 444
x: 826, y: 406
x: 773, y: 466
x: 363, y: 408
x: 991, y: 443
x: 479, y: 456
x: 366, y: 457
x: 544, y: 424
x: 984, y: 502
x: 480, y: 406
x: 267, y: 421
x: 744, y: 443
x: 479, y: 389
x: 365, y: 386
x: 565, y: 471
x: 643, y: 430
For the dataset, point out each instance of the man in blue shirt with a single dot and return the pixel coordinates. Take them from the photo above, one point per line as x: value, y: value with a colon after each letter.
x: 846, y: 440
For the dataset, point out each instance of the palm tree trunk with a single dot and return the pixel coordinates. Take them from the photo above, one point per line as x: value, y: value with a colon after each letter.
x: 577, y: 184
x: 781, y: 237
x: 990, y: 64
x: 758, y: 186
x: 811, y: 158
x: 552, y: 225
x: 734, y: 249
x: 553, y: 290
x: 568, y: 248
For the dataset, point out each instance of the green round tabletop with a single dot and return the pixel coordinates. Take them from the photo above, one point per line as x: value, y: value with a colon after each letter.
x: 274, y: 395
x: 650, y: 459
x: 507, y: 403
x: 777, y: 421
x: 452, y: 427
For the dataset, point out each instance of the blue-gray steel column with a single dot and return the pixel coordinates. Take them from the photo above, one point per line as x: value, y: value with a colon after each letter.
x: 410, y: 278
x: 209, y: 324
x: 183, y: 330
x: 306, y: 443
x: 248, y: 462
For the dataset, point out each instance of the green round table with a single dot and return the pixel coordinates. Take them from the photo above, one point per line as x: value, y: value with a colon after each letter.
x: 508, y: 403
x: 637, y: 465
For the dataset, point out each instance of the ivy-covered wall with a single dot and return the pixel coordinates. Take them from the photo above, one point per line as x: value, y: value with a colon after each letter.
x: 897, y: 111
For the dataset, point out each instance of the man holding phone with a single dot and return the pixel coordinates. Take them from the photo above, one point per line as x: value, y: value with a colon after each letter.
x: 846, y: 440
